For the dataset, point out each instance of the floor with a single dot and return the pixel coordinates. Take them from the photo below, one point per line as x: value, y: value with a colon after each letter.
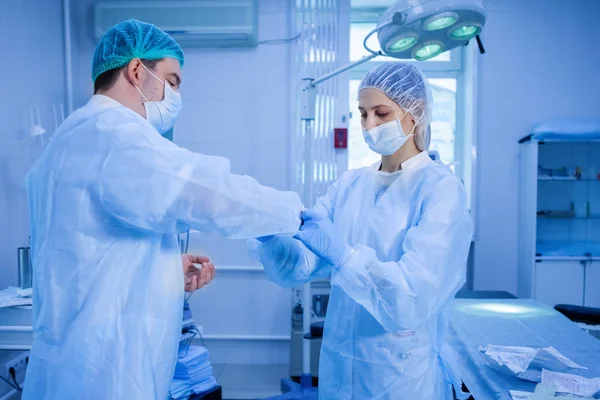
x: 249, y: 382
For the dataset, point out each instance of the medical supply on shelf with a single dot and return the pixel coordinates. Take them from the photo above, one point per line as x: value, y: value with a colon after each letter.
x: 24, y: 265
x: 564, y: 173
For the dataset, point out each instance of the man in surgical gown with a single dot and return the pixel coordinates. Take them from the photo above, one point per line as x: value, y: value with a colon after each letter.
x: 107, y: 199
x: 395, y: 238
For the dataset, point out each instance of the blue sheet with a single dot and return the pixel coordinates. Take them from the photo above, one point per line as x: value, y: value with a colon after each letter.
x: 512, y: 322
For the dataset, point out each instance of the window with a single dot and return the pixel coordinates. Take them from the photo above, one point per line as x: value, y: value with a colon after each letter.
x: 444, y: 75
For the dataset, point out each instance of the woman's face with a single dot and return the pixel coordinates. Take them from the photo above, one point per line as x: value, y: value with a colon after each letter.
x: 377, y: 109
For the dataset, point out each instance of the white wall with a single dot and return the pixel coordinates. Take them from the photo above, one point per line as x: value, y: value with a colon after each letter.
x: 541, y: 62
x: 236, y: 104
x: 32, y: 71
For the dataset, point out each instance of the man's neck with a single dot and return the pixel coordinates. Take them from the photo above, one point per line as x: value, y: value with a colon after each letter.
x: 127, y: 97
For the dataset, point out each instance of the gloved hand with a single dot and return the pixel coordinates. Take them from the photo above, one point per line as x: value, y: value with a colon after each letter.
x: 320, y: 236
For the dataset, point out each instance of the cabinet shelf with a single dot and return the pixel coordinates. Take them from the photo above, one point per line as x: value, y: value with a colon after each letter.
x: 567, y: 249
x: 566, y: 180
x: 550, y: 217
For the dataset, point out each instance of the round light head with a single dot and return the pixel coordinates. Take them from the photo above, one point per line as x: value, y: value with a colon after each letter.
x: 464, y: 31
x: 440, y: 21
x: 402, y: 43
x: 427, y: 51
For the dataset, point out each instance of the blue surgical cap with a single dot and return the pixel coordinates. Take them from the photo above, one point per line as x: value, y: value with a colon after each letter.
x: 133, y: 39
x: 405, y: 85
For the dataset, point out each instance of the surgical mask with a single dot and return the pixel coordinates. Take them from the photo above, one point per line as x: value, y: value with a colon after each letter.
x: 387, y: 138
x: 162, y: 114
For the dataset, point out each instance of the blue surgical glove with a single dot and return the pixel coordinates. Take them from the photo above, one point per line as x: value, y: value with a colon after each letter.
x: 320, y: 236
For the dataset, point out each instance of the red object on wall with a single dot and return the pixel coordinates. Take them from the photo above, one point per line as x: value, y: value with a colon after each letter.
x: 340, y: 138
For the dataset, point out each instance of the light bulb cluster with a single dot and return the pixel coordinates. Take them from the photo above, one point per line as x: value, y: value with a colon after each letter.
x: 424, y: 31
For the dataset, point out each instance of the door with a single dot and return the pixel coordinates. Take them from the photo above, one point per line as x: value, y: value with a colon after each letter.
x: 559, y: 282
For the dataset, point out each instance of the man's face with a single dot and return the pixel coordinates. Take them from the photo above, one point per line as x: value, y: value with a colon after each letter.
x: 168, y: 71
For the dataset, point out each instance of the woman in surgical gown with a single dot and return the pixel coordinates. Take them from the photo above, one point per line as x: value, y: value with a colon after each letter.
x: 395, y: 238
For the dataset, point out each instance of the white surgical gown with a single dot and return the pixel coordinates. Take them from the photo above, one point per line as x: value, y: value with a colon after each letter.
x: 385, y: 327
x: 106, y: 199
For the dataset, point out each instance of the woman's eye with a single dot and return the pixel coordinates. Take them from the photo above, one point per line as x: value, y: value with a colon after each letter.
x: 363, y: 116
x: 382, y: 114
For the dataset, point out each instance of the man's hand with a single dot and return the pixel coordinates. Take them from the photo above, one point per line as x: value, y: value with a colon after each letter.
x: 196, y: 278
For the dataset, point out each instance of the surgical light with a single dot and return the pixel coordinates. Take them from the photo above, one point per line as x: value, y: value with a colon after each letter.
x: 404, y: 43
x: 440, y: 21
x: 428, y: 51
x: 465, y: 32
x: 422, y: 29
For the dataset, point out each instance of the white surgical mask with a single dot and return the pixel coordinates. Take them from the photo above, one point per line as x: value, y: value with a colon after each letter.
x: 162, y: 114
x: 387, y: 138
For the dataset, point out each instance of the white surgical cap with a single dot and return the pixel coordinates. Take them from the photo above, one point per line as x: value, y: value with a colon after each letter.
x: 405, y: 85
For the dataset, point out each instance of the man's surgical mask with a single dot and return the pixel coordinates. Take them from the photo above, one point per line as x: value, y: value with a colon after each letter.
x: 162, y: 114
x: 387, y: 138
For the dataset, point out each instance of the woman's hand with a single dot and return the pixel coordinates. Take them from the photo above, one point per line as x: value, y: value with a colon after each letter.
x: 320, y: 236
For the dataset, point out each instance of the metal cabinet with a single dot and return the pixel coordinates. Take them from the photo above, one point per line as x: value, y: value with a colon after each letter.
x: 558, y: 248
